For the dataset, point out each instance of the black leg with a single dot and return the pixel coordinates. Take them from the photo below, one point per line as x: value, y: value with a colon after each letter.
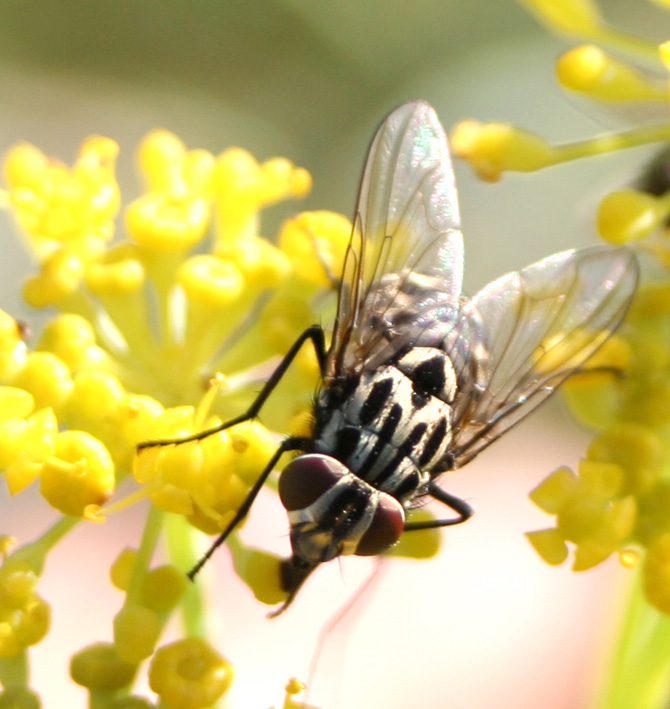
x: 290, y: 444
x: 461, y: 507
x: 313, y: 333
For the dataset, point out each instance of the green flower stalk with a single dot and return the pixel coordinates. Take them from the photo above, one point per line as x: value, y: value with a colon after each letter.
x: 618, y: 501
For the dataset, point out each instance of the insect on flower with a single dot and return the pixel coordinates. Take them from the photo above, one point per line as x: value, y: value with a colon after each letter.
x: 418, y: 379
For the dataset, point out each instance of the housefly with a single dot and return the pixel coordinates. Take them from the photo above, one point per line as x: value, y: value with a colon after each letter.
x: 418, y: 379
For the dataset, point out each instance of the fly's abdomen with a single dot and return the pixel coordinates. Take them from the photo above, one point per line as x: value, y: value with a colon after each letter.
x: 394, y: 427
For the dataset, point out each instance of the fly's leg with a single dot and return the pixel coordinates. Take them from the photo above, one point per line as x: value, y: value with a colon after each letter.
x: 313, y: 333
x: 290, y: 444
x: 461, y: 507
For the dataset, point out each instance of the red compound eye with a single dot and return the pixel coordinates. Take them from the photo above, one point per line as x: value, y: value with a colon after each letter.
x: 385, y: 529
x: 306, y: 478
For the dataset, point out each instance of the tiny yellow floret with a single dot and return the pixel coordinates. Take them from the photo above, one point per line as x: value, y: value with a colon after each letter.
x: 163, y: 587
x: 121, y: 570
x: 80, y: 473
x: 99, y: 666
x: 492, y: 148
x: 316, y: 243
x: 629, y: 215
x: 588, y: 69
x: 136, y: 632
x: 189, y: 674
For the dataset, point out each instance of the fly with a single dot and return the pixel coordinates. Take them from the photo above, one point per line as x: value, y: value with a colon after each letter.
x: 419, y: 379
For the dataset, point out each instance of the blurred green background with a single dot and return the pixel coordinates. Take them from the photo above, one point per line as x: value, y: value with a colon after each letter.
x: 307, y: 79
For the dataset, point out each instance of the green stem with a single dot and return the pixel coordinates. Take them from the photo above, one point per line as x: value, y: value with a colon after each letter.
x: 35, y: 552
x: 640, y: 672
x: 610, y: 143
x: 14, y: 670
x: 152, y: 530
x: 183, y: 554
x: 637, y: 48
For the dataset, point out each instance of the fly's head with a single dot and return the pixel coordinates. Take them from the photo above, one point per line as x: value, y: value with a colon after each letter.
x: 332, y: 512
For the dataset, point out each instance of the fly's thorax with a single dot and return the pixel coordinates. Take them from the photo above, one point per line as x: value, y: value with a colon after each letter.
x: 332, y: 512
x: 391, y: 426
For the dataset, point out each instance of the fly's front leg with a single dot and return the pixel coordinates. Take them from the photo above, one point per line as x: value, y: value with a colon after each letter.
x: 289, y: 444
x: 461, y: 507
x: 313, y: 333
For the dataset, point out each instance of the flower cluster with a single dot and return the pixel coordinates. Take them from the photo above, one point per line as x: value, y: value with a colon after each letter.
x: 158, y: 334
x: 618, y: 500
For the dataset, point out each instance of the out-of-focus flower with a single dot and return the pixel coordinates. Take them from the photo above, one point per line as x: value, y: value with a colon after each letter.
x: 618, y: 499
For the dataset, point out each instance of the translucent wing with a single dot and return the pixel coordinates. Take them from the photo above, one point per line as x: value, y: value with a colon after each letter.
x: 403, y: 269
x: 531, y: 330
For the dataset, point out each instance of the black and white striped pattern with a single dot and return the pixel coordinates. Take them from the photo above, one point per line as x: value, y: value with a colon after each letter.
x: 391, y: 426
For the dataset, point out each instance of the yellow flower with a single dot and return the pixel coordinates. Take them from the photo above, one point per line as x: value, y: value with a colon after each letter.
x: 189, y: 674
x: 163, y: 333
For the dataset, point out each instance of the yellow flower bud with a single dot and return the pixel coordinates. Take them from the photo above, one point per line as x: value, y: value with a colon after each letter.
x: 32, y: 623
x: 189, y: 674
x: 71, y: 338
x: 549, y: 544
x: 122, y: 568
x: 136, y: 632
x: 162, y: 588
x: 628, y: 215
x: 13, y: 351
x: 15, y: 403
x: 47, y: 378
x: 253, y: 446
x: 556, y: 491
x: 18, y: 581
x: 211, y: 280
x: 123, y: 276
x: 80, y: 473
x: 316, y: 243
x: 588, y: 69
x: 99, y: 666
x: 260, y: 570
x: 160, y: 156
x: 602, y: 480
x: 24, y: 446
x: 160, y: 222
x: 590, y: 553
x: 636, y: 449
x: 492, y: 148
x: 25, y: 166
x: 281, y: 179
x: 259, y: 261
x: 60, y: 277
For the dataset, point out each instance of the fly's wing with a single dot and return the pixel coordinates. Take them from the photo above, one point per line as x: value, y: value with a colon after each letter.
x: 403, y: 268
x: 532, y: 330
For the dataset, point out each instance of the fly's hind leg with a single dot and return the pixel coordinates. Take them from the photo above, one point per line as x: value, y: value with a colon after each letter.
x: 459, y: 506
